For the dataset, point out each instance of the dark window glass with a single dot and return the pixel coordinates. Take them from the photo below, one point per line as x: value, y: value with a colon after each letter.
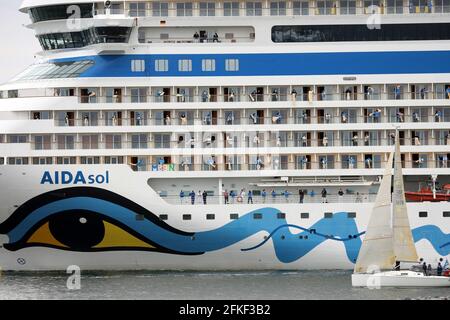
x: 328, y: 215
x: 337, y: 33
x: 60, y: 12
x: 163, y: 216
x: 351, y: 215
x: 234, y: 216
x: 210, y: 216
x: 281, y: 215
x: 304, y: 215
x: 423, y: 214
x: 257, y: 216
x: 446, y: 214
x: 84, y: 38
x: 187, y: 217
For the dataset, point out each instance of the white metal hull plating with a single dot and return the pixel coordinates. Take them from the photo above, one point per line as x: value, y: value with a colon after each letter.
x: 219, y: 244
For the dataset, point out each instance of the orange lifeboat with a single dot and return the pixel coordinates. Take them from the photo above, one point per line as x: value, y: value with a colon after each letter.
x: 426, y: 194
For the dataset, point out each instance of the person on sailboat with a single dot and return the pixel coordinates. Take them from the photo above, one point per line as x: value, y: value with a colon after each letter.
x: 439, y: 269
x: 425, y: 269
x: 429, y: 269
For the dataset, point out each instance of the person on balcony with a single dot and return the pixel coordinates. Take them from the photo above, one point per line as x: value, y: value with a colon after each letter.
x: 196, y: 37
x: 399, y: 116
x: 344, y: 117
x: 254, y: 117
x: 437, y: 116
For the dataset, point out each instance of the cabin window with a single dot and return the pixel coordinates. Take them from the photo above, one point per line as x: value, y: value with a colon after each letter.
x: 328, y: 215
x: 423, y: 214
x: 137, y: 65
x: 351, y: 215
x: 232, y: 65
x: 163, y: 216
x: 446, y: 214
x: 210, y: 216
x: 304, y: 215
x: 234, y: 216
x: 208, y: 65
x: 187, y: 217
x: 185, y: 65
x: 281, y: 215
x: 257, y: 216
x: 140, y: 217
x: 161, y: 65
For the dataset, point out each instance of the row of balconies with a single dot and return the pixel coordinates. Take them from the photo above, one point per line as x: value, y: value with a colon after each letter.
x: 271, y: 8
x: 247, y: 117
x: 255, y: 94
x: 230, y: 139
x: 167, y: 163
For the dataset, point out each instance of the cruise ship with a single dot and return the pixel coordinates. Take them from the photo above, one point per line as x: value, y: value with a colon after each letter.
x: 222, y: 135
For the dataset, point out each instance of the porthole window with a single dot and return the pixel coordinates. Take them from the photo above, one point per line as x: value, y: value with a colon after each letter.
x: 187, y: 217
x: 234, y: 216
x: 351, y: 215
x: 210, y: 216
x: 257, y: 216
x: 328, y: 215
x: 423, y: 214
x: 446, y: 214
x: 140, y: 217
x: 163, y: 216
x: 304, y: 215
x: 281, y: 215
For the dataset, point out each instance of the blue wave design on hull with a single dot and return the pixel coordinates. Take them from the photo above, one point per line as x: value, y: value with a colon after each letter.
x: 288, y: 246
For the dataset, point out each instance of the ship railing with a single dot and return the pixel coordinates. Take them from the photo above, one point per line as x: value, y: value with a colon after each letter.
x: 243, y: 11
x: 279, y: 198
x: 207, y: 142
x: 423, y: 163
x: 176, y: 39
x: 159, y: 96
x: 250, y: 119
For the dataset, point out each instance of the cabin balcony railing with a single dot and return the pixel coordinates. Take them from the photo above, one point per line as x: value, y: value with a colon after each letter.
x: 419, y: 163
x: 161, y: 97
x: 263, y: 11
x: 279, y: 198
x: 253, y: 97
x: 250, y: 119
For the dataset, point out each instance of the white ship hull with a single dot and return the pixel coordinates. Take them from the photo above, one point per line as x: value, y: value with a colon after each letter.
x: 398, y: 279
x: 31, y: 240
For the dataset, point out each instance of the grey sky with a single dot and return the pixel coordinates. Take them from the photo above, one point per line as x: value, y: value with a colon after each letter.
x: 18, y: 42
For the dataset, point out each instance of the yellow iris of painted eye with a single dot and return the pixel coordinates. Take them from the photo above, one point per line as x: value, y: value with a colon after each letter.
x: 44, y: 236
x: 117, y: 237
x: 114, y: 237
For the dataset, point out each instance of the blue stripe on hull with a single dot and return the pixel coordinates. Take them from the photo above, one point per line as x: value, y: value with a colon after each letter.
x: 283, y: 64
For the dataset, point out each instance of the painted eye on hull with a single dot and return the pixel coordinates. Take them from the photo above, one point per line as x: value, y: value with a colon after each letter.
x: 81, y: 230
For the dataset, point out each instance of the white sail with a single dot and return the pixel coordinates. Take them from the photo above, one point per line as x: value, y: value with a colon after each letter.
x: 404, y: 247
x: 377, y: 249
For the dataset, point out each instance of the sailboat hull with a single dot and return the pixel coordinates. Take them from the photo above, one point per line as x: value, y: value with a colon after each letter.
x: 398, y: 279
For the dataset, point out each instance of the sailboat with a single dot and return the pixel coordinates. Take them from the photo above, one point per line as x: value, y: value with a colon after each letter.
x: 389, y: 241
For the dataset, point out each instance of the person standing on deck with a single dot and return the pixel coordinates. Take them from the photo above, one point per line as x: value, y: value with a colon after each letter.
x: 301, y: 195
